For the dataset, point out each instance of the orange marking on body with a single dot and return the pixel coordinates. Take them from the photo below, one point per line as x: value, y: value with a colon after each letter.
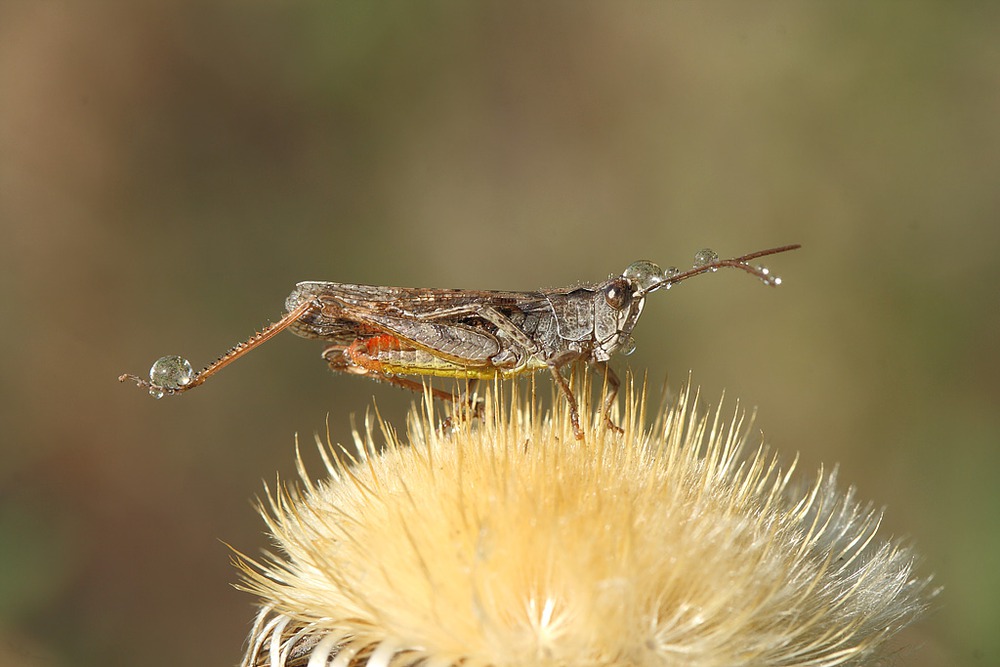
x: 364, y: 352
x: 381, y: 343
x: 357, y: 353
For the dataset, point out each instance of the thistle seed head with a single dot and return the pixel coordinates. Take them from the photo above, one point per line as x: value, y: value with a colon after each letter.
x: 509, y: 543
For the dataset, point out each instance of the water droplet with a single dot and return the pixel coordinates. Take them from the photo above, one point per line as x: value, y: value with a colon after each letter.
x: 170, y: 372
x: 763, y: 270
x: 643, y: 273
x: 705, y: 257
x: 775, y: 280
x: 669, y: 273
x: 156, y: 392
x: 627, y: 345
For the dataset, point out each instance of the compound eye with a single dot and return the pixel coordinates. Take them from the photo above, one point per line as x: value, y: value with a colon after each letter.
x: 616, y: 295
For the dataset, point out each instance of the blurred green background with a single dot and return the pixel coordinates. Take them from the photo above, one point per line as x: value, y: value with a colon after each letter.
x: 169, y: 170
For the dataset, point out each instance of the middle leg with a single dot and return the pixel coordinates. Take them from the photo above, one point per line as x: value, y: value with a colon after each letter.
x: 611, y: 385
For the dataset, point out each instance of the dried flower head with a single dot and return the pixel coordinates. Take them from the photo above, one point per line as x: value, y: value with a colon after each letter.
x: 508, y: 542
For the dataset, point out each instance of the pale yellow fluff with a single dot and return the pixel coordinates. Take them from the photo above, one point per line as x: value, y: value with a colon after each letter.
x: 507, y: 542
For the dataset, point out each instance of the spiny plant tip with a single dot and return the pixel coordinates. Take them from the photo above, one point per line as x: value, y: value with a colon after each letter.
x: 508, y: 542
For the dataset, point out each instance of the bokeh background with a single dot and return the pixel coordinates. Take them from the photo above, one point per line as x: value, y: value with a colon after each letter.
x: 169, y: 170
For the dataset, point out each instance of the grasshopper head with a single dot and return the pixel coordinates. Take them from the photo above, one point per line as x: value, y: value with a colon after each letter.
x: 618, y: 305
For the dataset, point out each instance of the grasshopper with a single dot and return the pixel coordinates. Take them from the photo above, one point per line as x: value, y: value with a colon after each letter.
x: 386, y: 333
